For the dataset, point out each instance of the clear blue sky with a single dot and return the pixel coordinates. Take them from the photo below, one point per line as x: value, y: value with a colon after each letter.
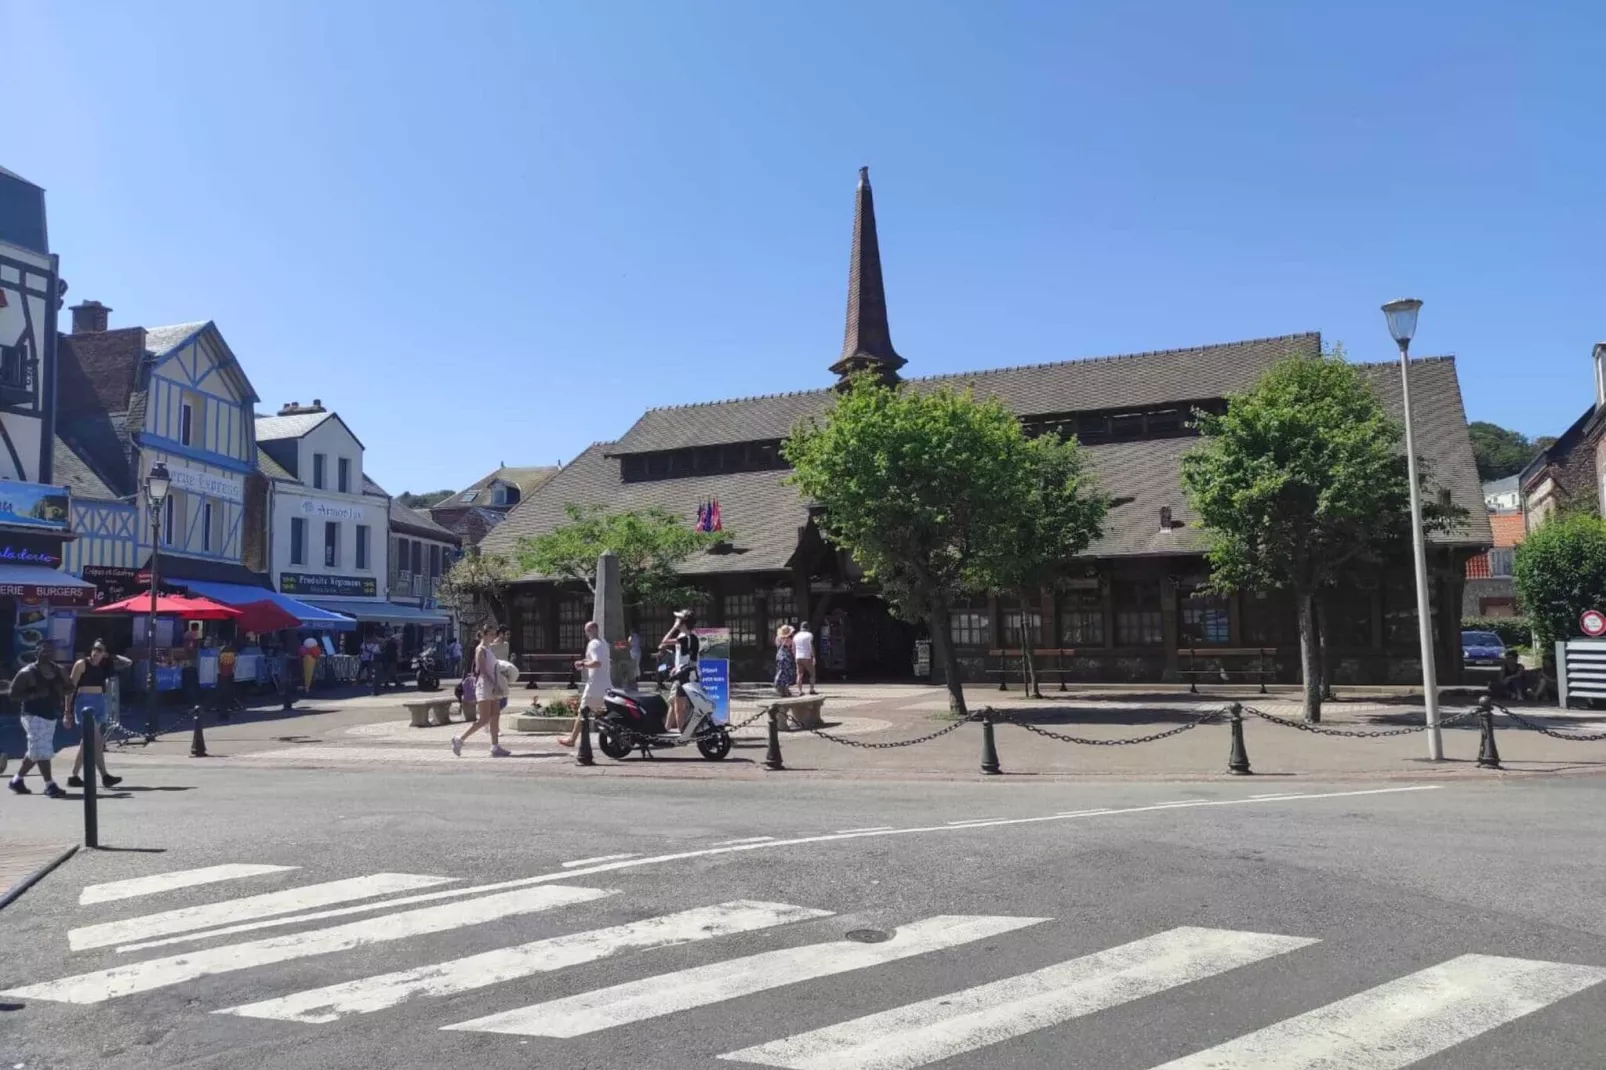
x: 496, y: 232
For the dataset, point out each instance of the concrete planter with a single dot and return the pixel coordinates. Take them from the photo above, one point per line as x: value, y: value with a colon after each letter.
x: 541, y: 724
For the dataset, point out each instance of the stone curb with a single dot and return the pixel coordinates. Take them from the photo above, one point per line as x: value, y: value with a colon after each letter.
x: 15, y: 892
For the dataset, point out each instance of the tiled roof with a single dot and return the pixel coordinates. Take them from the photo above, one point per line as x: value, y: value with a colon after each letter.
x: 1135, y: 380
x: 416, y: 523
x: 527, y: 479
x: 1508, y: 528
x: 76, y: 474
x: 100, y: 442
x: 98, y: 373
x: 163, y: 340
x: 270, y: 428
x: 764, y: 513
x: 271, y: 468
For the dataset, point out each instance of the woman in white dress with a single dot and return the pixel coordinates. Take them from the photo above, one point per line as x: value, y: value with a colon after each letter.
x: 490, y: 688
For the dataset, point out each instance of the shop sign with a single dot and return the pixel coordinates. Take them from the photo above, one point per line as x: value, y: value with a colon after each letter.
x: 113, y: 584
x: 329, y: 586
x: 195, y: 481
x: 318, y: 510
x: 55, y: 594
x: 21, y: 548
x: 33, y: 505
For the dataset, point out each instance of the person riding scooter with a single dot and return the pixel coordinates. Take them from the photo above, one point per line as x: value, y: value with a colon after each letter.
x: 684, y: 642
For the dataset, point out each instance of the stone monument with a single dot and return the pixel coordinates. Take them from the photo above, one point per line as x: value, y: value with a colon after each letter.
x: 608, y: 610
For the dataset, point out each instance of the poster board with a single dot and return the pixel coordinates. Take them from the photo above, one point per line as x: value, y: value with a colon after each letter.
x: 714, y: 669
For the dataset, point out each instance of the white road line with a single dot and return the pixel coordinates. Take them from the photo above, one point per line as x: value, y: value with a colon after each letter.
x: 101, y: 985
x: 166, y: 882
x: 800, y: 841
x: 1277, y: 795
x: 872, y: 828
x: 512, y: 963
x: 949, y: 1025
x: 652, y: 997
x: 267, y: 905
x: 972, y: 821
x: 745, y: 839
x: 1402, y: 1022
x: 594, y: 861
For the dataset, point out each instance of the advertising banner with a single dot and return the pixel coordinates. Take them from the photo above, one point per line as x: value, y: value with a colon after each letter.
x: 333, y: 586
x: 714, y: 670
x: 32, y: 505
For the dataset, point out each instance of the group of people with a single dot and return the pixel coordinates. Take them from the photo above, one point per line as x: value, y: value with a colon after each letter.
x: 794, y: 659
x: 44, y: 694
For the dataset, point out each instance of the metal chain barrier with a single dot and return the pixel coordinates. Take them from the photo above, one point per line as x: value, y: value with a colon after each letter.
x: 1322, y: 730
x: 1204, y: 718
x: 634, y: 738
x: 938, y: 734
x: 1571, y: 737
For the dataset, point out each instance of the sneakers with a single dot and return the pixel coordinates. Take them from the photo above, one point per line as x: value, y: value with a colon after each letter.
x: 53, y: 791
x: 110, y: 781
x: 457, y: 746
x: 498, y: 752
x: 18, y: 787
x: 75, y: 782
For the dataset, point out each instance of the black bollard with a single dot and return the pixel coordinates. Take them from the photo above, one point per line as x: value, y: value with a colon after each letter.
x: 583, y: 755
x: 989, y: 749
x: 1238, y: 760
x: 198, y: 737
x: 91, y: 814
x: 1488, y: 753
x: 772, y: 756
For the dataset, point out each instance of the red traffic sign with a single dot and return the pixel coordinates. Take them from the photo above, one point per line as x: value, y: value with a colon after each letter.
x: 1593, y: 622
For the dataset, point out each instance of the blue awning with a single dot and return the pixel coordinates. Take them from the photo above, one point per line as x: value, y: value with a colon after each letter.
x: 385, y: 612
x: 238, y: 594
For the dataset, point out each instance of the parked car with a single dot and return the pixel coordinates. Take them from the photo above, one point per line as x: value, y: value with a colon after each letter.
x: 1481, y: 648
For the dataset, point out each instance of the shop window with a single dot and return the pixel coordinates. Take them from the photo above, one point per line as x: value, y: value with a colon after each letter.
x: 1021, y: 628
x: 1204, y: 618
x: 970, y: 627
x: 298, y: 541
x: 1137, y: 613
x: 653, y: 623
x: 571, y: 623
x: 1082, y: 618
x: 741, y: 617
x: 529, y: 623
x: 782, y: 610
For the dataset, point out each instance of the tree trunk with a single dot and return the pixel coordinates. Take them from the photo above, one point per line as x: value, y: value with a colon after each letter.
x: 1028, y: 661
x: 1309, y: 660
x: 937, y: 625
x: 1325, y: 650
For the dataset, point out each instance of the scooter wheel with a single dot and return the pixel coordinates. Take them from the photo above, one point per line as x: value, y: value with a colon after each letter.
x: 715, y: 746
x: 613, y: 744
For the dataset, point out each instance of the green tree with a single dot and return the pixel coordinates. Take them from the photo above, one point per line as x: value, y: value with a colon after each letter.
x: 425, y: 500
x: 1499, y: 451
x: 476, y: 588
x: 916, y: 486
x: 1299, y: 481
x: 1560, y: 572
x: 651, y: 545
x: 1052, y: 516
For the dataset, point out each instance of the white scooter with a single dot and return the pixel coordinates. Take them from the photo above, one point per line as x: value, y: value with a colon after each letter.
x: 632, y: 719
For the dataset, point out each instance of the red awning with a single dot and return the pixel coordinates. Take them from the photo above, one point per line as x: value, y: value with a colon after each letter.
x: 265, y: 616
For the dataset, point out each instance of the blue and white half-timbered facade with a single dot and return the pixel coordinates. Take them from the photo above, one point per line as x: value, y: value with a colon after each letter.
x: 30, y: 294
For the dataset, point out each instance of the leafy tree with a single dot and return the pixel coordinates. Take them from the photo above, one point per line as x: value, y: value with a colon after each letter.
x: 919, y: 487
x: 1053, y: 515
x: 1300, y: 481
x: 1560, y: 572
x: 423, y: 501
x: 1499, y: 452
x: 476, y: 588
x: 651, y: 544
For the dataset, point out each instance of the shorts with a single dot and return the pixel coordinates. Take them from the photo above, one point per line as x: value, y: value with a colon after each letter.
x: 92, y: 703
x: 501, y: 703
x: 41, y: 733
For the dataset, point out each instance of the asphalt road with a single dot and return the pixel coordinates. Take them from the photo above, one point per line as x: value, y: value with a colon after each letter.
x: 1192, y: 927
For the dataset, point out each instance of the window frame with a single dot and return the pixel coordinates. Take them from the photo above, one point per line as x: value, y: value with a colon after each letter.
x: 343, y: 475
x: 320, y: 473
x: 298, y: 540
x: 331, y: 544
x: 360, y: 550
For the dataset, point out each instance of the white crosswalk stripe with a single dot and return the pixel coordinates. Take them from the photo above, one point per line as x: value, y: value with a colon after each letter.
x: 251, y: 907
x: 668, y: 993
x: 167, y: 882
x: 1404, y: 1021
x: 952, y: 1024
x: 102, y: 985
x: 506, y: 964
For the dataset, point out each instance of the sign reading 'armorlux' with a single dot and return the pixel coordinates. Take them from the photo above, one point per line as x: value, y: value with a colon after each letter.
x: 330, y: 511
x: 333, y: 586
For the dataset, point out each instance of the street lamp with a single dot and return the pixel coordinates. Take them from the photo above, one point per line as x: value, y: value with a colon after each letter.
x: 1401, y: 316
x: 157, y: 485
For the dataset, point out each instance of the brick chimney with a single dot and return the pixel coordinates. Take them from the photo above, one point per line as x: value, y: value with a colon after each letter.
x: 90, y: 317
x: 295, y: 408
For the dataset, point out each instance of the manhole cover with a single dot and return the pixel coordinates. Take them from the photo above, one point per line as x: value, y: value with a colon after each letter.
x: 869, y: 936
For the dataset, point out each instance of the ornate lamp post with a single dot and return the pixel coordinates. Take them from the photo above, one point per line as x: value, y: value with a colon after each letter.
x: 157, y: 485
x: 1401, y: 317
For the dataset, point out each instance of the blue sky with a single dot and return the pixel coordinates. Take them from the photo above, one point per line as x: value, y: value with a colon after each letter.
x: 495, y: 232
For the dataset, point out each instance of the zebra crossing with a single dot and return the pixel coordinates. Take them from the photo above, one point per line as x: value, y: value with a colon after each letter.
x: 1390, y: 1026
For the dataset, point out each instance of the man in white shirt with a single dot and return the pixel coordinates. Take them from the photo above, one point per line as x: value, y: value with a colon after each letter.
x: 803, y: 647
x: 599, y: 677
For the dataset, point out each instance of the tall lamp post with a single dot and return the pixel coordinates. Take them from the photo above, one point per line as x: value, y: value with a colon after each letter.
x: 1401, y: 317
x: 157, y: 485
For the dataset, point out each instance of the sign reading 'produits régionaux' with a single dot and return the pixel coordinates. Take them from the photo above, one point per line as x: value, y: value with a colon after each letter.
x: 329, y: 586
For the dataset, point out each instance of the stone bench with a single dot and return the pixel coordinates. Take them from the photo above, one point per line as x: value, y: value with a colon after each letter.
x: 801, y: 712
x: 436, y: 711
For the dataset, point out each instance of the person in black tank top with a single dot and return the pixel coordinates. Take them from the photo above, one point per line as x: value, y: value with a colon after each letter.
x: 89, y: 679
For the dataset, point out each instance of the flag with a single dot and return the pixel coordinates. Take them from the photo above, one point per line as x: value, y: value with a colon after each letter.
x: 702, y: 518
x: 714, y: 522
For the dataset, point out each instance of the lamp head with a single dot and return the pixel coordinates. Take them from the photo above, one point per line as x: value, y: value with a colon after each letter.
x: 1401, y: 316
x: 158, y: 483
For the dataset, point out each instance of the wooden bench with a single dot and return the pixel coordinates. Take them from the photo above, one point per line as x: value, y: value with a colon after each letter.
x: 1050, y: 661
x: 801, y: 712
x: 435, y: 711
x: 1258, y: 660
x: 552, y: 669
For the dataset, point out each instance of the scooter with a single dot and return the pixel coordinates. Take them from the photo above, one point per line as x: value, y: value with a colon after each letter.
x: 632, y: 719
x: 427, y: 668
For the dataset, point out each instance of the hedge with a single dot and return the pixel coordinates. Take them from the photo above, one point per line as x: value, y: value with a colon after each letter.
x: 1513, y: 631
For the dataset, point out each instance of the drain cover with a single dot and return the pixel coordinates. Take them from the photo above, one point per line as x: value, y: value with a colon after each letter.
x: 869, y: 936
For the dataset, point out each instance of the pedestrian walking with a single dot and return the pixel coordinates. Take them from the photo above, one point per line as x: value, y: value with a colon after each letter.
x: 389, y: 660
x: 88, y: 681
x: 596, y: 663
x: 785, y: 662
x: 454, y: 653
x: 501, y: 647
x: 40, y: 690
x: 803, y: 648
x: 490, y: 688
